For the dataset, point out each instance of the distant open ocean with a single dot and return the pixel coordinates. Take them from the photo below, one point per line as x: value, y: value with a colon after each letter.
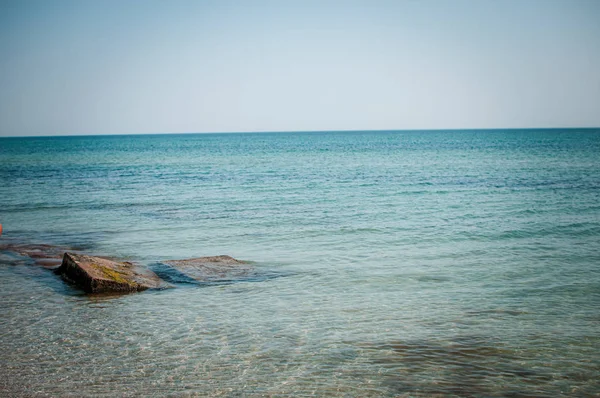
x: 408, y: 263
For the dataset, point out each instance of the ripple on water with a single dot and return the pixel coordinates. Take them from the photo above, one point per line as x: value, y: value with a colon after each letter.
x: 422, y: 264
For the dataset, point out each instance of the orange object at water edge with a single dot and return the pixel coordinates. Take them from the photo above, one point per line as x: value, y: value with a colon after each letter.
x: 0, y: 229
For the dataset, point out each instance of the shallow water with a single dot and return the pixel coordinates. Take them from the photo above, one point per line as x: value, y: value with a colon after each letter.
x: 386, y: 264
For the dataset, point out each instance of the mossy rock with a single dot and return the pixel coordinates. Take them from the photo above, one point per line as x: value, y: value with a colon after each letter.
x: 100, y: 275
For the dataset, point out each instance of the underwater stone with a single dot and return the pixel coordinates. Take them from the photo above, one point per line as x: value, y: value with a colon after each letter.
x: 213, y: 268
x: 100, y: 275
x: 48, y: 256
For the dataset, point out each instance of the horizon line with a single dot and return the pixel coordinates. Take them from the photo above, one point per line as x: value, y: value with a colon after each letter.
x: 303, y: 131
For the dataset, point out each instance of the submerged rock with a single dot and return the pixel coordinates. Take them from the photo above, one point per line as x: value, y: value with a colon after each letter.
x: 213, y: 268
x: 48, y: 256
x: 99, y: 275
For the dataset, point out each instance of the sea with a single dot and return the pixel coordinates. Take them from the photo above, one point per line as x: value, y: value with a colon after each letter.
x: 386, y: 264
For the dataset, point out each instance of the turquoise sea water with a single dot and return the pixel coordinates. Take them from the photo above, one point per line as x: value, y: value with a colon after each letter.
x: 459, y: 263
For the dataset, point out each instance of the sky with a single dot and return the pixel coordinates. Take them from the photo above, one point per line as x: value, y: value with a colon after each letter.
x: 70, y: 67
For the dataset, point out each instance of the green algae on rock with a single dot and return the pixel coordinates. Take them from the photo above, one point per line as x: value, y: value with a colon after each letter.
x: 100, y: 275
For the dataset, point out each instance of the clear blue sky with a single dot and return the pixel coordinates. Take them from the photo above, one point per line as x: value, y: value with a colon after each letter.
x: 124, y: 67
